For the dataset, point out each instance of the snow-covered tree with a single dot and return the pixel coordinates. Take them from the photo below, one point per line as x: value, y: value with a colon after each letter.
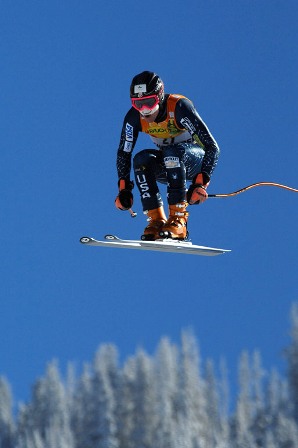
x: 159, y: 401
x: 243, y: 417
x: 191, y: 396
x: 224, y: 404
x: 30, y: 439
x: 48, y: 412
x: 285, y: 431
x: 292, y: 355
x: 144, y: 411
x: 6, y: 420
x: 100, y: 412
x: 259, y: 421
x: 214, y: 423
x: 125, y: 407
x: 166, y: 371
x: 81, y: 412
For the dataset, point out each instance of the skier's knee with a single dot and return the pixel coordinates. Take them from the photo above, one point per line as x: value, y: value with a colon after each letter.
x: 172, y: 157
x: 142, y: 160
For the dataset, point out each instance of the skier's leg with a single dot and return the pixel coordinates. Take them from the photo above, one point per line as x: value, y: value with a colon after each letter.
x: 176, y: 225
x: 176, y: 173
x: 147, y: 164
x: 182, y: 162
x: 192, y: 159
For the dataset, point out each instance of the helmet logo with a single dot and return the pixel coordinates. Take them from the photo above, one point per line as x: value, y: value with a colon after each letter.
x: 140, y: 89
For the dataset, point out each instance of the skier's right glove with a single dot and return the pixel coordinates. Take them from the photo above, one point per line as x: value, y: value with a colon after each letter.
x: 124, y: 200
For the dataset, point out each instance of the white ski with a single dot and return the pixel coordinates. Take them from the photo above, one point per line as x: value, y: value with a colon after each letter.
x: 164, y: 245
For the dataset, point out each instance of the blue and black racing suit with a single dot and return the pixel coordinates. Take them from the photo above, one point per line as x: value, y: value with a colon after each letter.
x: 184, y: 148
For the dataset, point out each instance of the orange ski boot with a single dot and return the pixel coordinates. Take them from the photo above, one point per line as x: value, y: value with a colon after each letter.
x: 176, y: 225
x: 156, y: 219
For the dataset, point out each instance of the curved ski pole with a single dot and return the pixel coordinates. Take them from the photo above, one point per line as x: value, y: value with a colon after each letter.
x: 258, y: 184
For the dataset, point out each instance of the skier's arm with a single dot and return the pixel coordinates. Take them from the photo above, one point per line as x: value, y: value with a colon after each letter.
x: 188, y: 118
x: 129, y: 135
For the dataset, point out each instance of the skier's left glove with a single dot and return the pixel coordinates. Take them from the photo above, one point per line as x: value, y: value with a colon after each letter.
x: 197, y: 193
x: 124, y: 200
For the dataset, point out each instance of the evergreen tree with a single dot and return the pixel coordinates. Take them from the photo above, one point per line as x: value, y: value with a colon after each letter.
x: 259, y: 421
x: 81, y: 413
x: 269, y: 439
x: 292, y: 356
x: 214, y: 424
x: 191, y: 403
x: 101, y: 420
x: 30, y: 439
x: 6, y: 420
x: 47, y: 413
x: 125, y: 409
x: 162, y: 401
x: 285, y: 432
x: 224, y: 405
x: 166, y: 371
x: 243, y: 419
x: 144, y: 411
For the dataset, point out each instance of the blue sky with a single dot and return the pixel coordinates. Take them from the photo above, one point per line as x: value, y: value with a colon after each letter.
x: 66, y: 68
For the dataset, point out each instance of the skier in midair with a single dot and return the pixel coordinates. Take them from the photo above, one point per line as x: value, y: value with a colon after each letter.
x: 185, y: 151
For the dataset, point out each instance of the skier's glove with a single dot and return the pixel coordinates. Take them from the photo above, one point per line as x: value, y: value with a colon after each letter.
x: 197, y: 193
x: 124, y: 200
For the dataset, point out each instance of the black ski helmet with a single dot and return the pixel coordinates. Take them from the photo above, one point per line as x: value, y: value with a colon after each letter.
x: 146, y: 84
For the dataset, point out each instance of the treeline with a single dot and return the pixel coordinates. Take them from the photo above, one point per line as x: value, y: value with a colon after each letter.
x: 169, y: 400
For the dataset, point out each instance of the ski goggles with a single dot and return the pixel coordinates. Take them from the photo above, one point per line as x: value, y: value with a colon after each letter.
x: 148, y: 102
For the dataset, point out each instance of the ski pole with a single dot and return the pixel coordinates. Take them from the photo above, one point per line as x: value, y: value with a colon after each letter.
x: 258, y: 184
x: 242, y: 190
